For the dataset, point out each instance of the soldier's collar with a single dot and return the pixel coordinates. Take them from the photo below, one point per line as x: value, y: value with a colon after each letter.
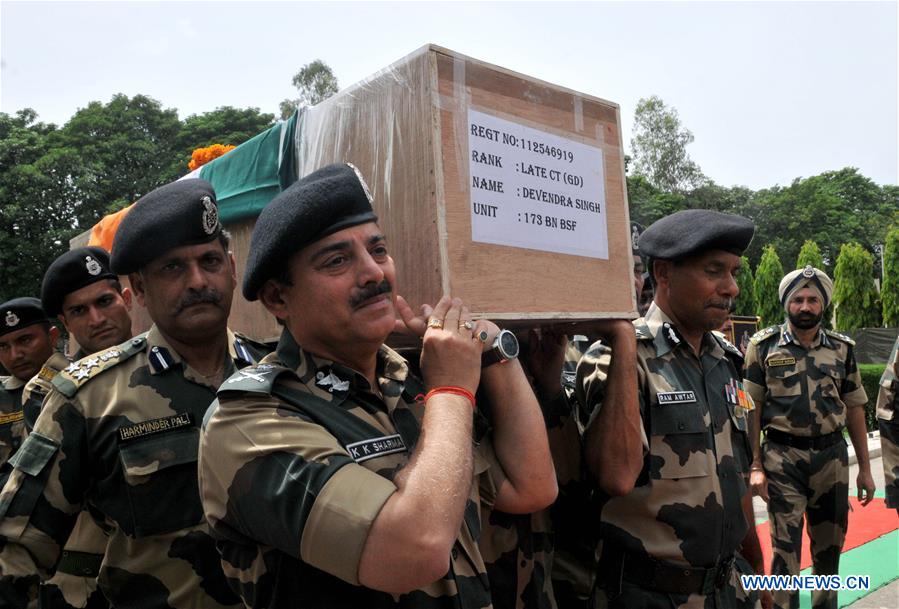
x: 162, y: 355
x: 336, y: 378
x: 664, y: 333
x: 786, y: 337
x: 12, y: 383
x: 238, y: 350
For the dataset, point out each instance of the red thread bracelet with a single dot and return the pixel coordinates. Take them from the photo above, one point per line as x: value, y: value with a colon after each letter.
x: 465, y: 393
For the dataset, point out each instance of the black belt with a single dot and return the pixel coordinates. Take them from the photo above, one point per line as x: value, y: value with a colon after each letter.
x: 649, y: 573
x: 805, y: 442
x: 82, y: 564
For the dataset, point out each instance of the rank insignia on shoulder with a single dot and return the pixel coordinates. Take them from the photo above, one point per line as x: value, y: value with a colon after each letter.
x: 76, y: 374
x: 763, y: 334
x: 839, y: 336
x: 257, y: 379
x: 11, y: 417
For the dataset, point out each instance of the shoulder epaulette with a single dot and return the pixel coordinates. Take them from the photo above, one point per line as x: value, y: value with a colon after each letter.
x: 642, y: 331
x: 256, y: 379
x: 726, y: 344
x: 764, y: 334
x: 839, y: 336
x: 71, y: 379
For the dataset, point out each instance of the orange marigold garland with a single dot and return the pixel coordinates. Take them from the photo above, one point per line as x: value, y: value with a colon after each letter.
x: 201, y: 156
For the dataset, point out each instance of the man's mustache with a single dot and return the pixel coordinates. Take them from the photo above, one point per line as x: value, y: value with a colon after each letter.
x: 204, y: 296
x: 370, y: 290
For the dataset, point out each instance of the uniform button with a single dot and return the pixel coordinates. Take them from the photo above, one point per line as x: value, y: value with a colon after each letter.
x: 455, y: 554
x: 681, y: 426
x: 135, y: 342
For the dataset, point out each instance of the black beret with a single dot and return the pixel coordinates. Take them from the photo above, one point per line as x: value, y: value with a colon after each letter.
x: 327, y: 200
x: 72, y: 271
x: 177, y: 214
x: 692, y: 231
x: 19, y: 313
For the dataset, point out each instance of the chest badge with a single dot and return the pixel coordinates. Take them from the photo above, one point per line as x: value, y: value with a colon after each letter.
x: 782, y: 361
x: 737, y: 395
x: 675, y: 397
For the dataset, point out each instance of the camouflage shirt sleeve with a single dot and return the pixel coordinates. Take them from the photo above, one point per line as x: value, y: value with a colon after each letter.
x: 592, y: 373
x: 318, y: 503
x: 852, y: 390
x: 754, y: 375
x: 44, y: 492
x: 886, y: 395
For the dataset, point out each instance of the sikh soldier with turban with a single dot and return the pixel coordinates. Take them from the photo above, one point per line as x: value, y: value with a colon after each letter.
x: 806, y: 386
x: 888, y: 423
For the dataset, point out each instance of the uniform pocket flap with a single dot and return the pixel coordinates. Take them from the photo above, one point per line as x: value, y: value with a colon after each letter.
x: 676, y: 419
x: 34, y: 454
x: 836, y: 370
x: 155, y: 453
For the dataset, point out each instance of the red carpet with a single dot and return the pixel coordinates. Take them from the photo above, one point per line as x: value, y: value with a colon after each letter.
x: 865, y: 523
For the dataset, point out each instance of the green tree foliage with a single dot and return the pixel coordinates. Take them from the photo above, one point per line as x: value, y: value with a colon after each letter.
x: 745, y: 303
x: 659, y: 148
x: 315, y: 82
x: 854, y: 295
x: 35, y: 215
x: 57, y: 182
x: 767, y: 278
x: 889, y: 291
x: 810, y: 254
x: 834, y: 208
x: 226, y: 125
x: 127, y: 146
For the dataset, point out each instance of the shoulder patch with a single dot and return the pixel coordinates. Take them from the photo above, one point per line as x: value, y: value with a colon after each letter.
x: 761, y: 335
x: 726, y: 344
x: 642, y: 330
x: 255, y: 379
x: 72, y: 378
x: 839, y: 336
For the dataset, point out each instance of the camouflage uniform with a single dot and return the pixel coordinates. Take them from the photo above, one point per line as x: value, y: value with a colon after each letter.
x: 576, y: 510
x: 293, y: 472
x: 75, y: 582
x: 671, y: 541
x: 888, y: 422
x: 119, y: 434
x: 805, y: 394
x: 12, y: 425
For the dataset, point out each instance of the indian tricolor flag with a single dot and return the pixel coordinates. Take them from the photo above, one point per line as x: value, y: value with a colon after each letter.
x: 245, y: 179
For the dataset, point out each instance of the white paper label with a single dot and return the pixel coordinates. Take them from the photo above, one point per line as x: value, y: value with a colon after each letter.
x: 534, y: 189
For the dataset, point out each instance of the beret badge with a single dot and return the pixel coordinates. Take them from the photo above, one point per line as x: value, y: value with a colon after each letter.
x: 808, y: 271
x: 362, y: 182
x: 210, y: 216
x: 92, y: 266
x: 11, y: 319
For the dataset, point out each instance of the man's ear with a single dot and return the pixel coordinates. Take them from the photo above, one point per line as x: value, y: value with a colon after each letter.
x: 137, y: 285
x: 54, y: 334
x: 661, y: 270
x: 126, y: 296
x: 273, y: 297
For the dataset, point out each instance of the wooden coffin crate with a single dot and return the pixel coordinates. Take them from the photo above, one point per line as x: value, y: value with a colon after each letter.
x: 413, y: 129
x: 450, y: 145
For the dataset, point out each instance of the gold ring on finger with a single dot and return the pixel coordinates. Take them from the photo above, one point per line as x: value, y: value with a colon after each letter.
x: 435, y: 323
x: 468, y: 325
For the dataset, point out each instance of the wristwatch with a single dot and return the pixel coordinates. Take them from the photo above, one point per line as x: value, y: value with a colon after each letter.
x: 504, y: 348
